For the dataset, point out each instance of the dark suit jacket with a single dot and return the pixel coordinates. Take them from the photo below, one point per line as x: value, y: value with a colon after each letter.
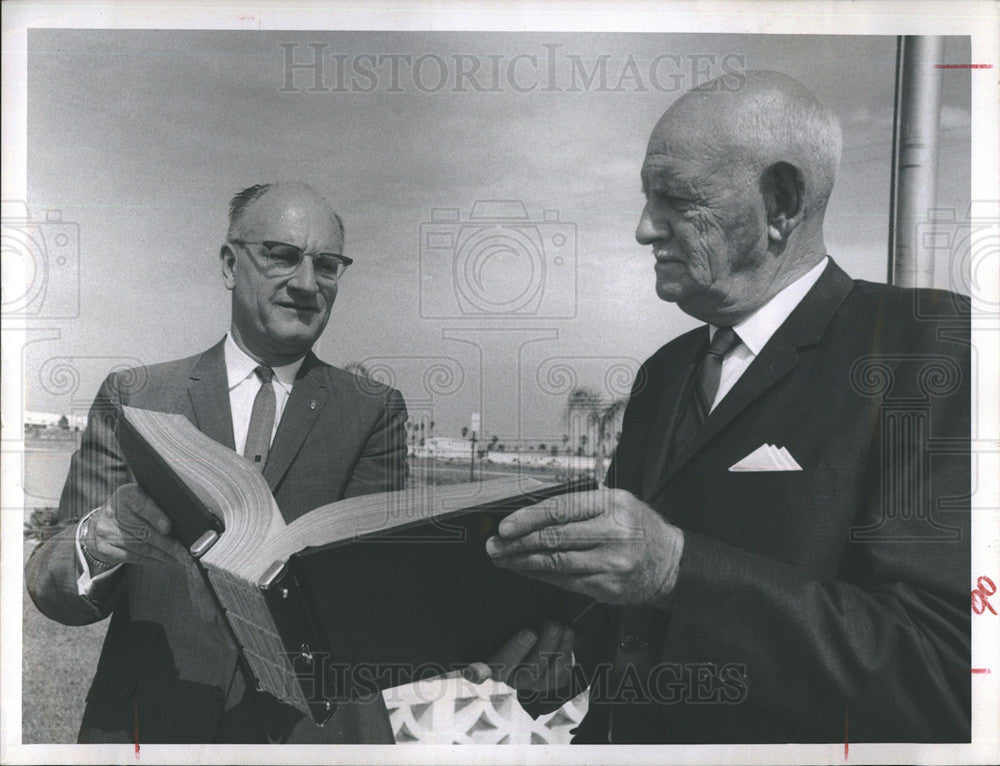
x: 818, y: 604
x: 162, y: 669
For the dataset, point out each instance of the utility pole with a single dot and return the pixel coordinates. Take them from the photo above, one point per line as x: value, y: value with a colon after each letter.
x: 914, y: 160
x: 472, y: 457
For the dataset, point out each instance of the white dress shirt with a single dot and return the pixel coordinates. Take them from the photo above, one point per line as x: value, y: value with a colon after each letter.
x: 756, y: 330
x: 243, y: 388
x: 244, y: 385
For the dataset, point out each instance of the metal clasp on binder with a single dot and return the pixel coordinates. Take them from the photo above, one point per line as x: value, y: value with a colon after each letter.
x: 271, y: 575
x: 204, y: 543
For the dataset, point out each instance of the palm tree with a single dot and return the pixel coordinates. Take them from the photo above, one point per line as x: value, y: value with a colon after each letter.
x: 606, y: 419
x: 581, y: 405
x: 599, y: 415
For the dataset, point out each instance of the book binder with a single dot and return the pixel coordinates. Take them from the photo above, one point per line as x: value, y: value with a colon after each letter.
x: 322, y: 678
x: 282, y: 622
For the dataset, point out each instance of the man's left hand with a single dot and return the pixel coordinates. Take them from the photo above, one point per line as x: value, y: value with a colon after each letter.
x: 606, y: 544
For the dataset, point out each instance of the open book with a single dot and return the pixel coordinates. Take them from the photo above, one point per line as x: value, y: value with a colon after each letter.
x: 355, y: 596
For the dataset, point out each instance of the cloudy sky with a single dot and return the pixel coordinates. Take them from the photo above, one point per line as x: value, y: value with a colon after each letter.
x: 141, y: 137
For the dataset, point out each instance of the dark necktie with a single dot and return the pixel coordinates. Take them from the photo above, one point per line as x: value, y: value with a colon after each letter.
x: 706, y: 384
x: 694, y: 412
x: 261, y: 420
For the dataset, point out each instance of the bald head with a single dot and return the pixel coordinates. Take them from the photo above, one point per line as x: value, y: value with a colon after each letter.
x: 283, y: 198
x: 772, y: 119
x: 736, y: 186
x: 281, y: 300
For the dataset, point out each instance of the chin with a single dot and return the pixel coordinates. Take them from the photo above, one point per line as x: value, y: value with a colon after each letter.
x: 669, y: 292
x: 294, y: 342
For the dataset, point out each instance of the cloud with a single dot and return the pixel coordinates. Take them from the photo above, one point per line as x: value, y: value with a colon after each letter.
x: 955, y: 117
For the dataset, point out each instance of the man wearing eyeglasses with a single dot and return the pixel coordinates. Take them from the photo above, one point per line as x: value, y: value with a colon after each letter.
x: 169, y: 671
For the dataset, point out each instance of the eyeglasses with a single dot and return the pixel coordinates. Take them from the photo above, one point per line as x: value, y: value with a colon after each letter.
x: 280, y: 259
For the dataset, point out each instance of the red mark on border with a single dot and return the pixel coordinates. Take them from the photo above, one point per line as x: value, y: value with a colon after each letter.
x: 847, y: 743
x: 963, y: 66
x: 979, y: 670
x: 135, y: 709
x: 980, y: 603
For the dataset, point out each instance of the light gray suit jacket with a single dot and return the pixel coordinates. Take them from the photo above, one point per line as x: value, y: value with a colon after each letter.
x: 162, y: 670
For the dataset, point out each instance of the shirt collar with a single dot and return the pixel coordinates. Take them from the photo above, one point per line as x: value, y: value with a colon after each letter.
x: 240, y: 366
x: 756, y: 330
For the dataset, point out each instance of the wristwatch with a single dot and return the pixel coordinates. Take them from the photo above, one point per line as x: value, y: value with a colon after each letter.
x: 95, y: 565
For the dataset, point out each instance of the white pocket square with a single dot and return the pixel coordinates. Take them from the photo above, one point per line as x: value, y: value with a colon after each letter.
x: 767, y: 457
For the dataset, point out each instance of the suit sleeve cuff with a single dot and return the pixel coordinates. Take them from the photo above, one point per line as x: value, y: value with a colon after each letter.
x: 87, y: 582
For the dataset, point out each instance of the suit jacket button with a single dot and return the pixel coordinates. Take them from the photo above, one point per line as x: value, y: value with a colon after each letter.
x: 632, y: 643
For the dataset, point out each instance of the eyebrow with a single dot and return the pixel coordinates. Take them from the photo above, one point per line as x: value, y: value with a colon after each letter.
x: 666, y: 176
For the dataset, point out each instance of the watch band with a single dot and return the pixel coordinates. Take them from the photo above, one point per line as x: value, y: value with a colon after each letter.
x: 95, y: 565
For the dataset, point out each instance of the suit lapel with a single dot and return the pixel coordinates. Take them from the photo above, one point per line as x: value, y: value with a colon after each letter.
x: 309, y: 396
x: 209, y: 394
x: 804, y: 327
x: 660, y: 414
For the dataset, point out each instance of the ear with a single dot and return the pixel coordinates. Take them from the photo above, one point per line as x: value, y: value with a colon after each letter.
x: 784, y: 200
x: 228, y: 260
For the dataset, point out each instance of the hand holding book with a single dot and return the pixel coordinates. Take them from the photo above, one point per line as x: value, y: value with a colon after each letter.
x: 132, y: 529
x: 606, y: 544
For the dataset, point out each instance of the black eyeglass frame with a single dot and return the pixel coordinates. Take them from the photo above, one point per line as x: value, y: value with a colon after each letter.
x: 286, y: 268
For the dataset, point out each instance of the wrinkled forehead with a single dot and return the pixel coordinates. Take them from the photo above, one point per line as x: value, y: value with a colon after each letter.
x: 296, y: 219
x: 688, y: 143
x: 678, y: 164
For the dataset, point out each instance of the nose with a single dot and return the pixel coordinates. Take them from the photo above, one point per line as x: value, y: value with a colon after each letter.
x: 651, y: 228
x: 304, y: 277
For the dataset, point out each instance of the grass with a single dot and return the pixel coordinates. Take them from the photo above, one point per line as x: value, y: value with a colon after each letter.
x: 58, y: 664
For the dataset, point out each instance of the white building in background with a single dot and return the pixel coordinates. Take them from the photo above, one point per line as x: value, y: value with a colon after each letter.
x: 452, y: 448
x: 42, y: 419
x: 53, y: 419
x: 444, y: 448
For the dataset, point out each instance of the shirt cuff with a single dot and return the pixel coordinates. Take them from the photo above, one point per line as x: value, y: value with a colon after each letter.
x: 85, y: 582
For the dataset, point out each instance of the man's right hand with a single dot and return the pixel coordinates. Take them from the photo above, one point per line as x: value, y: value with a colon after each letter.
x: 132, y: 529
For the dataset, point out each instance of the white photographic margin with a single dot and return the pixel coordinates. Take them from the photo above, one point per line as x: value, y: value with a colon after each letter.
x: 979, y: 20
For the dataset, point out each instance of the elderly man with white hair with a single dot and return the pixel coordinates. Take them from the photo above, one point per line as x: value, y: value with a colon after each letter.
x: 781, y: 553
